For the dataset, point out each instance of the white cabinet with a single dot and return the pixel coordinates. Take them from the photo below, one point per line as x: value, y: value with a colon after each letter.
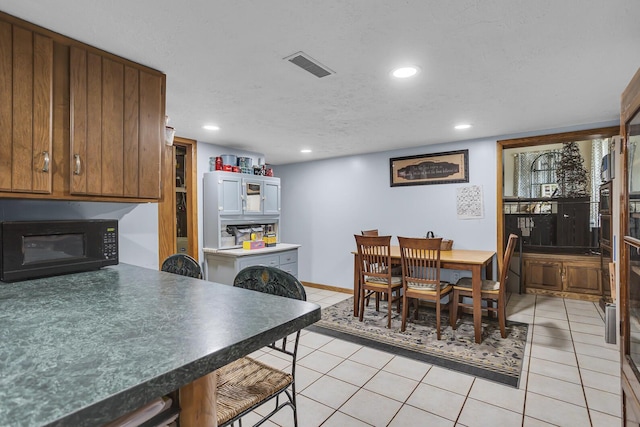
x: 222, y: 266
x: 238, y: 200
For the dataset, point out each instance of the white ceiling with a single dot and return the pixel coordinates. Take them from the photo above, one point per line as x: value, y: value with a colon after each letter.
x: 506, y: 66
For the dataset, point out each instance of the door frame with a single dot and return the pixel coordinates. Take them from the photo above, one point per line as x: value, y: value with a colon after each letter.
x: 167, y: 241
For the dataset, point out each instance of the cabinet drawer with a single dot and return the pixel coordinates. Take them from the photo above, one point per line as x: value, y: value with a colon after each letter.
x: 291, y: 268
x: 268, y: 260
x: 288, y: 257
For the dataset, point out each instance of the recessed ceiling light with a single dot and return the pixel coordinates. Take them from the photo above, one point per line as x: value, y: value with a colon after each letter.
x: 463, y: 126
x: 211, y: 127
x: 306, y: 150
x: 404, y: 72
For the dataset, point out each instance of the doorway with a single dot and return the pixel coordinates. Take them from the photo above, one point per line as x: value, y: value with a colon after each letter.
x: 561, y: 252
x: 178, y: 210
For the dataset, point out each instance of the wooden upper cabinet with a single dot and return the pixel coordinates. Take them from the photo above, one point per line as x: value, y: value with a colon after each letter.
x: 116, y: 127
x: 26, y: 104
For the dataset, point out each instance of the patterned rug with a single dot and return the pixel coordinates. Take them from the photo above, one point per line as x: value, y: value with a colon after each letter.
x: 495, y: 359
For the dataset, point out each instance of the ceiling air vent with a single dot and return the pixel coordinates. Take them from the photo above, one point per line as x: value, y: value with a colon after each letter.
x: 309, y: 64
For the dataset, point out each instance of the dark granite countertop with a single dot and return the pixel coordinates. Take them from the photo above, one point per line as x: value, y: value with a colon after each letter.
x: 83, y: 349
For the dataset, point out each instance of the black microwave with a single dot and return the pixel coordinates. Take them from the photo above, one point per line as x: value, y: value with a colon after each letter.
x: 31, y: 249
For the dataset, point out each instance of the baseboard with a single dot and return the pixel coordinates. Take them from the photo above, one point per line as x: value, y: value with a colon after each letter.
x: 561, y: 294
x: 327, y: 287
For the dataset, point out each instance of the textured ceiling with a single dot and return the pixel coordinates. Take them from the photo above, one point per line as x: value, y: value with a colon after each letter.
x: 506, y: 66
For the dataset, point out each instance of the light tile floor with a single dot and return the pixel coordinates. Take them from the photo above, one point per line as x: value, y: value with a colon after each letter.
x: 570, y: 377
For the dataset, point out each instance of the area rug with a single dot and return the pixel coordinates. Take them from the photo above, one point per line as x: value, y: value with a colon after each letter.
x: 495, y: 359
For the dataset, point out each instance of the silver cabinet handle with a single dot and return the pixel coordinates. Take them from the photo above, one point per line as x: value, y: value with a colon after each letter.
x: 45, y: 167
x: 77, y: 160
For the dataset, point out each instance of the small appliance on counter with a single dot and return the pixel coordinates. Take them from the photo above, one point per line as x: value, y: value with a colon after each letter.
x: 243, y: 233
x: 32, y: 249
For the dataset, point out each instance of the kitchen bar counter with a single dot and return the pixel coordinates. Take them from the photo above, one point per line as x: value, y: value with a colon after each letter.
x: 83, y: 349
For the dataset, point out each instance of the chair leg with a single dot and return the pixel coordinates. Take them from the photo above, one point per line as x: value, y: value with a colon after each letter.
x: 502, y: 314
x: 453, y: 309
x: 361, y: 304
x: 405, y: 312
x: 389, y: 307
x: 438, y: 318
x: 398, y: 300
x: 377, y: 301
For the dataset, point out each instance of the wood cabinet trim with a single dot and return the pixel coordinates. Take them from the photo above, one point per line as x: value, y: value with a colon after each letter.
x: 6, y: 104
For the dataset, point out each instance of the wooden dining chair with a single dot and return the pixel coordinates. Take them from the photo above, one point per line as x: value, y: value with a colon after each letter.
x: 493, y: 292
x: 374, y: 263
x: 420, y: 259
x: 374, y: 232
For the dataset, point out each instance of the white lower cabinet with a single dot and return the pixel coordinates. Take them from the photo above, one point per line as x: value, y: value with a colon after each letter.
x: 223, y: 266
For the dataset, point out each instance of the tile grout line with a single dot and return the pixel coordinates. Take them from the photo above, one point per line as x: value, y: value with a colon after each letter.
x: 526, y: 386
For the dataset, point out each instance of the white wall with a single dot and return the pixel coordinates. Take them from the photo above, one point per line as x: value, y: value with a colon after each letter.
x: 137, y: 223
x: 324, y: 203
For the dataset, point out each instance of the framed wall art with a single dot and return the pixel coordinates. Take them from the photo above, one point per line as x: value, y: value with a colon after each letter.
x: 436, y: 168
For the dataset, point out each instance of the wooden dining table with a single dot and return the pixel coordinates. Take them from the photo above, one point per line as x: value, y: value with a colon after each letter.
x: 455, y: 259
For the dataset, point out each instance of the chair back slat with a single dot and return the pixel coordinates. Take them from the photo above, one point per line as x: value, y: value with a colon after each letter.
x: 420, y: 259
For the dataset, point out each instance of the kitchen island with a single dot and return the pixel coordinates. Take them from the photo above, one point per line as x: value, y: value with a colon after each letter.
x: 85, y: 348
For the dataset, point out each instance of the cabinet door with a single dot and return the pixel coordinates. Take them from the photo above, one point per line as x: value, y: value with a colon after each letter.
x: 252, y: 196
x: 583, y: 277
x: 543, y: 274
x: 229, y: 195
x: 26, y: 96
x: 117, y: 115
x: 271, y: 197
x: 573, y: 223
